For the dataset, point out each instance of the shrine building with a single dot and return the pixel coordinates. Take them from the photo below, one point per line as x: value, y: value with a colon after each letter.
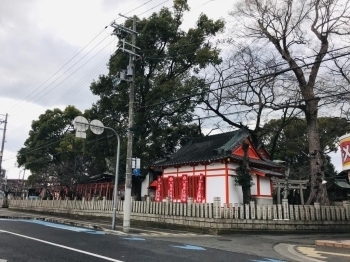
x: 205, y: 168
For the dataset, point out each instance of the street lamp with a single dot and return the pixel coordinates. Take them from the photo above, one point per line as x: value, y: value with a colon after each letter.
x: 81, y: 125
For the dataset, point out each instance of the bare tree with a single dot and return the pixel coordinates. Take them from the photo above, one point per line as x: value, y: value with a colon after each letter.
x: 294, y: 28
x: 340, y: 76
x: 246, y: 84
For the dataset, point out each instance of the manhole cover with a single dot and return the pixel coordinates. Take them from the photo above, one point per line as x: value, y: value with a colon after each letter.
x: 224, y: 239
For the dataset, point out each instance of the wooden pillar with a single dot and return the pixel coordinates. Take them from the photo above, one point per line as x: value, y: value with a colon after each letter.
x: 301, y: 193
x: 107, y: 191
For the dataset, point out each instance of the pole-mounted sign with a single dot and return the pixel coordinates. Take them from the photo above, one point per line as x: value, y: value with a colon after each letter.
x: 81, y: 124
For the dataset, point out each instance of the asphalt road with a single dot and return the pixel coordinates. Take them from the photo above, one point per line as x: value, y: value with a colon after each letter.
x: 39, y: 241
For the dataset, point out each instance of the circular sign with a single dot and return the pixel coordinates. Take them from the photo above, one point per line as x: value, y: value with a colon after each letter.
x: 136, y: 172
x: 80, y: 123
x: 345, y: 151
x: 96, y: 127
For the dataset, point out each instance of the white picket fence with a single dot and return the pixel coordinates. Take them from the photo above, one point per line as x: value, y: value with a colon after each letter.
x: 201, y: 210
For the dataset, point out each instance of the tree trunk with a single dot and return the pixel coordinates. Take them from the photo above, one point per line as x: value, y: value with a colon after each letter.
x: 246, y: 188
x: 318, y: 191
x: 246, y: 194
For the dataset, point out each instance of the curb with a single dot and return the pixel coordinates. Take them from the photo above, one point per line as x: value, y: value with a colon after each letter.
x: 289, y: 252
x: 331, y: 243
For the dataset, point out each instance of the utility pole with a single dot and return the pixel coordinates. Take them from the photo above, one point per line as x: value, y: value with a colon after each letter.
x: 3, y: 141
x: 128, y: 177
x: 130, y: 73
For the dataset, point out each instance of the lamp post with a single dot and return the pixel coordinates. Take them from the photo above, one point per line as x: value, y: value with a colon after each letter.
x: 81, y: 125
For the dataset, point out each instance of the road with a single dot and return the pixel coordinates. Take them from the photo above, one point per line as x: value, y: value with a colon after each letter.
x: 22, y: 240
x: 28, y: 236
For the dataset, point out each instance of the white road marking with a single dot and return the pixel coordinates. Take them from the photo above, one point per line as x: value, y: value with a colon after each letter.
x: 62, y: 246
x: 288, y: 251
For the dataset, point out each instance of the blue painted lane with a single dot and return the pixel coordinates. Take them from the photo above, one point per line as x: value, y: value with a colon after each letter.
x: 59, y: 226
x: 268, y: 260
x: 190, y: 247
x: 65, y: 227
x: 133, y: 238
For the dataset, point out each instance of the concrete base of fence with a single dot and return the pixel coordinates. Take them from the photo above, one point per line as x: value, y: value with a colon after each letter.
x: 202, y: 225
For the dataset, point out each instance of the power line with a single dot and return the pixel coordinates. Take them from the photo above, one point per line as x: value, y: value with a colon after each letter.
x: 202, y: 4
x: 244, y: 81
x: 66, y: 72
x: 87, y: 143
x: 153, y: 7
x: 77, y: 61
x: 282, y: 71
x: 251, y: 80
x: 220, y: 87
x: 58, y: 70
x: 71, y: 59
x: 67, y: 94
x: 68, y: 76
x: 137, y: 8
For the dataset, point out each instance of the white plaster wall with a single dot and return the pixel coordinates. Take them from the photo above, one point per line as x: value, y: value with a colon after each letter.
x: 265, y: 187
x: 185, y: 169
x: 200, y: 168
x: 169, y: 170
x: 235, y: 192
x: 254, y: 188
x: 215, y: 187
x: 144, y: 186
x: 215, y: 166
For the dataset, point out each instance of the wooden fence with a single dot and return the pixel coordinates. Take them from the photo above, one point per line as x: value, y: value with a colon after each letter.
x: 202, y: 210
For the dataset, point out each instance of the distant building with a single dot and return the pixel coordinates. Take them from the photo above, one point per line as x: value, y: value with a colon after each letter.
x: 17, y: 188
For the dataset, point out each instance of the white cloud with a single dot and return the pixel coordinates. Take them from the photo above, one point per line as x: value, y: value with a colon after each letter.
x: 38, y: 37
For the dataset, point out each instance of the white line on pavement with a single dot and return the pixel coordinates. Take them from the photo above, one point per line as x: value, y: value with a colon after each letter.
x: 61, y: 246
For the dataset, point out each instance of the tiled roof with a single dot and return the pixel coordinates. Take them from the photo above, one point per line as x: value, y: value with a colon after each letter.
x: 210, y: 148
x: 338, y: 183
x: 267, y: 172
x: 206, y: 148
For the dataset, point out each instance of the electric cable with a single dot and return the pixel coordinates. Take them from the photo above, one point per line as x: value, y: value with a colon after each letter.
x: 71, y: 59
x: 245, y: 81
x: 242, y: 82
x: 54, y: 87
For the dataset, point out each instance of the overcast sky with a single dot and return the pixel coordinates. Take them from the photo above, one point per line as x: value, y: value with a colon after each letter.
x: 38, y: 38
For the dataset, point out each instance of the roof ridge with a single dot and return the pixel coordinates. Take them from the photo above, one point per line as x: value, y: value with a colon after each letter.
x: 238, y: 137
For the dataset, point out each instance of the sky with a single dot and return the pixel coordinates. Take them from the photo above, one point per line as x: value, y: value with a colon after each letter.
x: 50, y: 52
